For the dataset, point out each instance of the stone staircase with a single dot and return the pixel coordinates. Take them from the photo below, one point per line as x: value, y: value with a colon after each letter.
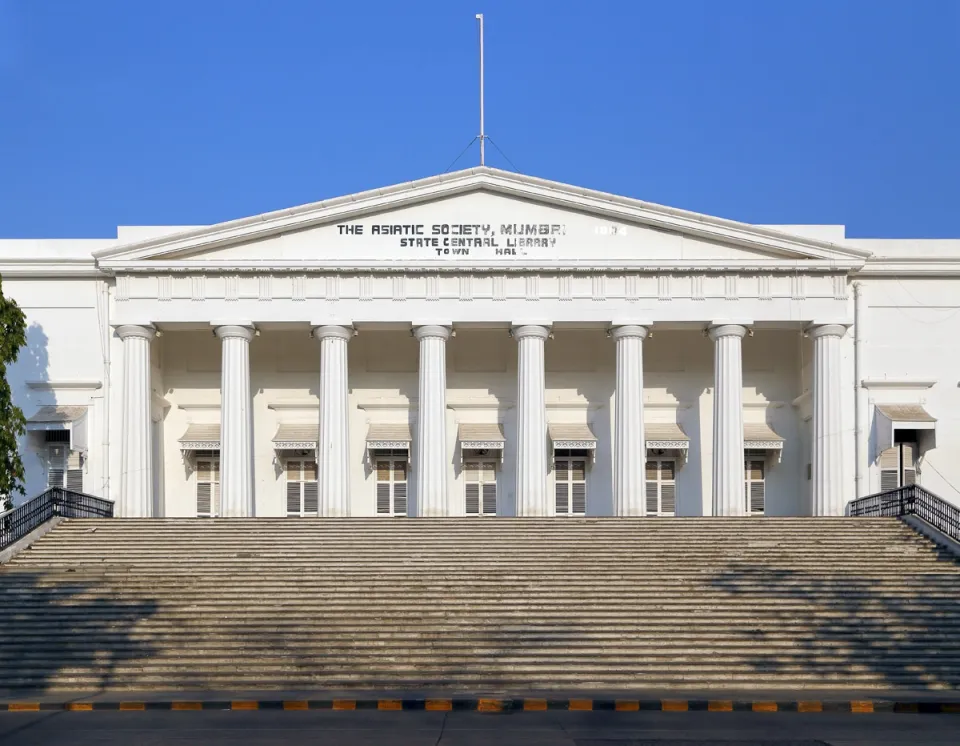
x: 480, y: 605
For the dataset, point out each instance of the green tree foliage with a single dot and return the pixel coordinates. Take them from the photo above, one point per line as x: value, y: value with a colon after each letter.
x: 13, y: 336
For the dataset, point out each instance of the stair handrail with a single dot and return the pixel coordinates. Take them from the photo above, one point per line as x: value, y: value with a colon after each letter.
x: 910, y: 500
x: 56, y: 501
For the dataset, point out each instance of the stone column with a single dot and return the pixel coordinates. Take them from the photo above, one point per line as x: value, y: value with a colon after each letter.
x: 827, y: 461
x: 728, y: 476
x: 532, y: 498
x: 333, y: 448
x: 629, y: 445
x: 432, y: 421
x: 236, y: 422
x: 136, y: 452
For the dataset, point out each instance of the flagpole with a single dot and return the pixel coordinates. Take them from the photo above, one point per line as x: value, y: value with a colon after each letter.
x: 482, y: 136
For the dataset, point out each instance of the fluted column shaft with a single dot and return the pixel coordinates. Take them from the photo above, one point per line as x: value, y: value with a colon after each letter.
x: 136, y: 453
x: 236, y: 422
x: 827, y: 462
x: 532, y: 498
x: 333, y: 448
x: 728, y: 470
x: 432, y: 421
x: 629, y: 445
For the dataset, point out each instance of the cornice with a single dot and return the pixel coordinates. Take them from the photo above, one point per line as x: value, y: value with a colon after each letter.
x: 910, y: 267
x: 331, y: 266
x: 898, y: 383
x: 51, y: 268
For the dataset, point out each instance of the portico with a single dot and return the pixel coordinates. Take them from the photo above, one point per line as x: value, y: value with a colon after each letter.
x: 631, y: 360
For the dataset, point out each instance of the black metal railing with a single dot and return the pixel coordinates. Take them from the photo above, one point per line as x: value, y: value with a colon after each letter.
x: 56, y: 501
x: 911, y: 500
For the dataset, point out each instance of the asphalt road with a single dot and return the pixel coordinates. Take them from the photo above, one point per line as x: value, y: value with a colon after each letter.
x: 372, y: 728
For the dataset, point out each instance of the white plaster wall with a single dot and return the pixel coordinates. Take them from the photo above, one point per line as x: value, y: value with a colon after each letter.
x: 910, y: 337
x: 65, y: 346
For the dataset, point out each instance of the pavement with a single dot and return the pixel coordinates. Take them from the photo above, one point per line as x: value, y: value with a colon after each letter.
x: 423, y: 728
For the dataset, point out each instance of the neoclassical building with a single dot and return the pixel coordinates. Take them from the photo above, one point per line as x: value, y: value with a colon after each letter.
x: 486, y: 343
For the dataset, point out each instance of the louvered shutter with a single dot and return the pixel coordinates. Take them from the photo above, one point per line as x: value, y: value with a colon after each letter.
x: 311, y: 498
x: 383, y: 497
x: 652, y: 493
x: 473, y: 498
x: 579, y: 491
x: 204, y: 498
x: 755, y: 486
x: 563, y: 497
x: 311, y: 490
x: 668, y: 487
x: 208, y: 487
x: 668, y: 499
x: 908, y: 459
x: 74, y: 480
x: 890, y: 469
x: 578, y: 487
x: 490, y: 498
x: 56, y: 466
x: 560, y: 472
x: 293, y: 498
x: 472, y: 487
x: 400, y: 498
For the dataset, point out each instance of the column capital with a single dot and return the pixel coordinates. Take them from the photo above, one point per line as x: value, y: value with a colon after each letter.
x: 519, y: 331
x: 439, y: 331
x: 333, y: 330
x: 826, y: 330
x: 629, y: 330
x: 722, y: 329
x: 242, y: 330
x: 147, y: 331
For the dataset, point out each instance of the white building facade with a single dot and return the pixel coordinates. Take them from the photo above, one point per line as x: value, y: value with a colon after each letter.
x: 484, y: 343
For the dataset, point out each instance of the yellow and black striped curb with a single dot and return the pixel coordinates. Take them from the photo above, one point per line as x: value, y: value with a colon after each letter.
x: 517, y: 704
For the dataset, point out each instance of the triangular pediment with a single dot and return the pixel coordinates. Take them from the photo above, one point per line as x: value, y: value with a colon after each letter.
x: 478, y: 218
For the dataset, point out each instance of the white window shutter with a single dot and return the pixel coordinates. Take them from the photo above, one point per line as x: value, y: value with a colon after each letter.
x: 653, y: 498
x: 908, y: 456
x: 311, y: 498
x: 890, y: 469
x: 75, y: 480
x: 294, y: 505
x: 756, y: 497
x: 204, y: 498
x: 472, y: 495
x: 383, y: 498
x: 562, y: 497
x: 668, y: 498
x: 579, y: 498
x: 56, y: 466
x: 400, y: 498
x: 216, y: 496
x: 490, y: 498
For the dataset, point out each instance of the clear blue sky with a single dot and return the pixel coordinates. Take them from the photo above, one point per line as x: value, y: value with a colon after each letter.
x: 196, y: 111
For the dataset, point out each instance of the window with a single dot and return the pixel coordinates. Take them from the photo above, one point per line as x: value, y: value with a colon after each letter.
x: 898, y: 466
x: 661, y: 487
x: 391, y: 485
x: 480, y: 489
x: 754, y: 486
x: 64, y: 468
x: 208, y: 485
x: 570, y: 478
x: 302, y: 494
